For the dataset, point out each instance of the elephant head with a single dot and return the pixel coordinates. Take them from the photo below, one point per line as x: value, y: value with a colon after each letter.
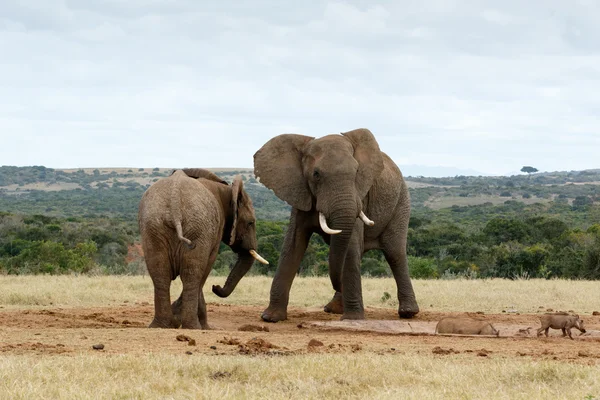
x: 239, y: 232
x: 330, y: 175
x: 241, y: 237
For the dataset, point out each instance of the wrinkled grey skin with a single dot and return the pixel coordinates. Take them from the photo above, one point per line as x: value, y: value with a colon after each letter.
x: 182, y: 221
x: 561, y: 321
x: 338, y: 175
x: 465, y: 326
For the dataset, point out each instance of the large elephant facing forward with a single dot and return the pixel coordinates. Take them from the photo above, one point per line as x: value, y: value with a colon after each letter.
x: 182, y: 220
x: 347, y: 190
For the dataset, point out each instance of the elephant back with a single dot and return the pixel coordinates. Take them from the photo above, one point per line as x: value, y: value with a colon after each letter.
x: 197, y: 173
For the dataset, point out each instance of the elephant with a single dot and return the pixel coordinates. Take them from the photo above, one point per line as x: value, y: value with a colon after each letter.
x: 334, y: 185
x: 182, y: 220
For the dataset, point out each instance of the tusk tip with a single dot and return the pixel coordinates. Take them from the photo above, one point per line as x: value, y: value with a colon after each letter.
x: 258, y: 257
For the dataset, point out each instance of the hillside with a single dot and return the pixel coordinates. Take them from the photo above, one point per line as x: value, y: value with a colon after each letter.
x: 109, y: 192
x: 85, y: 220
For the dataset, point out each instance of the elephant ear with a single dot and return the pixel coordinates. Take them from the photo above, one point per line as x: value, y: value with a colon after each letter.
x: 368, y: 155
x: 237, y: 193
x: 202, y: 173
x: 278, y: 165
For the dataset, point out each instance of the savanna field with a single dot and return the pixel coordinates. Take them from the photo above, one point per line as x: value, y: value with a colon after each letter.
x: 49, y: 325
x: 503, y: 249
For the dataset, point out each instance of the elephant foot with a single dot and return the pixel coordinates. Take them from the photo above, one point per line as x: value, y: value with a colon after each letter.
x: 353, y: 315
x: 335, y: 306
x: 191, y: 325
x: 157, y: 323
x: 274, y: 315
x: 176, y: 322
x: 408, y: 311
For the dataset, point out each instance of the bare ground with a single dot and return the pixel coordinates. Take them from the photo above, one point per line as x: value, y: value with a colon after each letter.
x: 239, y: 330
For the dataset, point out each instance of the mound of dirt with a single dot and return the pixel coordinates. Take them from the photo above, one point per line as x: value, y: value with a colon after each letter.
x: 444, y: 352
x: 229, y: 341
x: 183, y: 338
x: 253, y: 328
x: 483, y: 353
x: 257, y: 346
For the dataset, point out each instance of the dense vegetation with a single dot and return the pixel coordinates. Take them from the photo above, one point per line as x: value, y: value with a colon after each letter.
x: 543, y: 225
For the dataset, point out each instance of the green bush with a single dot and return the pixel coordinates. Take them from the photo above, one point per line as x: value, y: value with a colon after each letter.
x: 422, y: 268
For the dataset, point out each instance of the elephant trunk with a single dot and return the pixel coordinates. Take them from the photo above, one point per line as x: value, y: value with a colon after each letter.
x: 344, y: 220
x: 241, y: 267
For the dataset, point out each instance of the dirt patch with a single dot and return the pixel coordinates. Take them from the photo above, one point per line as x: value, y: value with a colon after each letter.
x: 36, y: 347
x: 230, y: 341
x: 257, y: 346
x: 186, y: 338
x: 444, y: 352
x: 253, y: 328
x: 122, y: 329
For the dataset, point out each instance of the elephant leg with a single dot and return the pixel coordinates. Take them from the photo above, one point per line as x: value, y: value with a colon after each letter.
x: 394, y: 249
x: 159, y: 270
x: 336, y: 304
x: 176, y: 309
x: 177, y: 304
x: 190, y: 279
x: 352, y: 300
x: 202, y: 314
x: 294, y: 246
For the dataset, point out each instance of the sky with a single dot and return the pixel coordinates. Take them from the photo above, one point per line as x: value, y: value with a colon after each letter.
x: 446, y: 86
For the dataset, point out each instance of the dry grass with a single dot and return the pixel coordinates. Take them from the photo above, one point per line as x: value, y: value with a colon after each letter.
x: 325, y: 376
x: 406, y: 375
x: 490, y: 296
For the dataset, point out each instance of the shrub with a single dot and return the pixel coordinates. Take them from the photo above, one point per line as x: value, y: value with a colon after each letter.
x: 422, y: 268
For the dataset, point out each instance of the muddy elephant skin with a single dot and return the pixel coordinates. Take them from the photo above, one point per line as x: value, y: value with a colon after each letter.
x: 345, y: 189
x: 183, y: 219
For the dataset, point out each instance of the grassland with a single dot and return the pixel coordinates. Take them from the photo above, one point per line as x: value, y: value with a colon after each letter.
x: 147, y: 364
x: 488, y: 295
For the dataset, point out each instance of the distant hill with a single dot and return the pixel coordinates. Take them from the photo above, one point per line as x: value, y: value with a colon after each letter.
x: 438, y: 171
x: 116, y: 191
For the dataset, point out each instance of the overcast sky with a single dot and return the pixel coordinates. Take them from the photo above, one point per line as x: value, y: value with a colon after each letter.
x: 489, y: 86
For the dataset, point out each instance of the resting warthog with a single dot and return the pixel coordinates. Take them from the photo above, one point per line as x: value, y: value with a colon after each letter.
x: 465, y: 326
x: 561, y: 321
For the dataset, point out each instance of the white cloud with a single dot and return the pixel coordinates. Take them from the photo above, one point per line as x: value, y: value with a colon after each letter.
x: 483, y: 85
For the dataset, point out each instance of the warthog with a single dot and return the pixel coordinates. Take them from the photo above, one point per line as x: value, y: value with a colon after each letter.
x: 561, y: 321
x: 465, y: 326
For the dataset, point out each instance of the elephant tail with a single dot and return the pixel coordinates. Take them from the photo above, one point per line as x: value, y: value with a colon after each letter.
x: 176, y: 212
x: 185, y: 240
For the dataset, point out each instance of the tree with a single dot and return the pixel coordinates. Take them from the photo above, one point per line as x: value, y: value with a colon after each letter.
x: 529, y: 170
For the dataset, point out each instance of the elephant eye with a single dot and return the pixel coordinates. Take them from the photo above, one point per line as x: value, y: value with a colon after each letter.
x: 316, y: 175
x: 251, y: 223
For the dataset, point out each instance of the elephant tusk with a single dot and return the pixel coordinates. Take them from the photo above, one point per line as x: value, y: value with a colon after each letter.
x: 257, y: 257
x: 324, y: 226
x: 366, y: 219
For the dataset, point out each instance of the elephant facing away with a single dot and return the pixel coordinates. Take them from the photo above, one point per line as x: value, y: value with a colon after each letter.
x: 344, y: 188
x: 182, y: 220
